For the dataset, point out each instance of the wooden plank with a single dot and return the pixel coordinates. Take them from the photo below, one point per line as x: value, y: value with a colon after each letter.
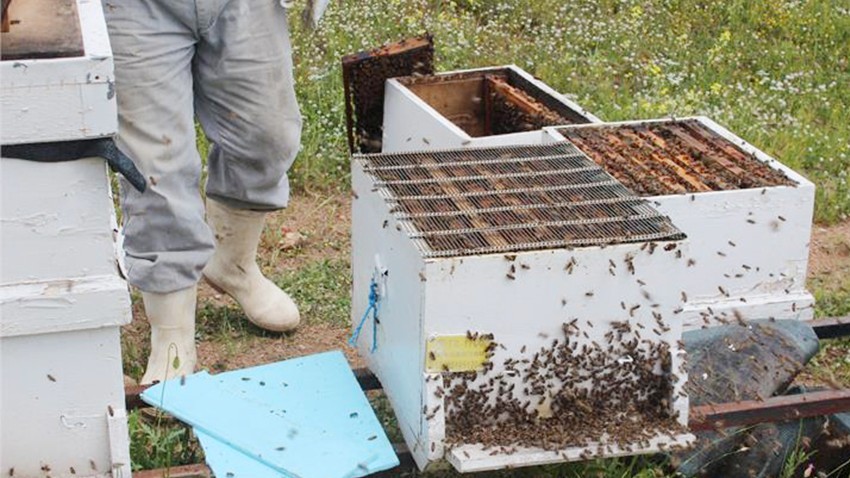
x: 831, y: 327
x: 43, y: 29
x: 202, y: 471
x: 774, y: 409
x: 458, y: 100
x: 186, y: 471
x: 6, y: 23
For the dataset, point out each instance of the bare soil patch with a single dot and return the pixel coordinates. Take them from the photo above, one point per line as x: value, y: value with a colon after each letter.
x: 829, y: 256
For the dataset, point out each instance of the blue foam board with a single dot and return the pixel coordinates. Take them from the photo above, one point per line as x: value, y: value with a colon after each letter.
x: 302, y: 417
x: 229, y: 463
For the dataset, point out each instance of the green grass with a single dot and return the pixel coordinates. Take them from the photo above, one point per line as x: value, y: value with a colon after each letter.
x: 322, y: 290
x: 160, y: 443
x: 831, y: 299
x: 832, y: 364
x: 775, y: 72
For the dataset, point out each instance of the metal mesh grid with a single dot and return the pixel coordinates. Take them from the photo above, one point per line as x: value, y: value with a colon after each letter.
x: 509, y: 199
x: 672, y: 157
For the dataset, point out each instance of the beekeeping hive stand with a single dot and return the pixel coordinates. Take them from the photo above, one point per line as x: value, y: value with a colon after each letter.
x: 62, y: 298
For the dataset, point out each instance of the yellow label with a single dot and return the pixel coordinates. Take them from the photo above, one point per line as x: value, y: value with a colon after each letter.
x: 455, y: 353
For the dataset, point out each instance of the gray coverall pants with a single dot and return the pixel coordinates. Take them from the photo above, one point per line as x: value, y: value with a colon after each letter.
x: 230, y: 63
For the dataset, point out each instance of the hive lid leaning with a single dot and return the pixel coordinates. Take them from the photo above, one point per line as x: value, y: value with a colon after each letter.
x: 509, y: 199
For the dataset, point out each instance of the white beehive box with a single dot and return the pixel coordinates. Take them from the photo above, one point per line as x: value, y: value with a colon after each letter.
x: 60, y: 99
x: 62, y: 303
x: 448, y: 260
x: 749, y: 246
x: 453, y: 110
x: 62, y: 299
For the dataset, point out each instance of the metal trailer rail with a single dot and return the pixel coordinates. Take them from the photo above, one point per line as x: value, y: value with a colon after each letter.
x: 705, y: 417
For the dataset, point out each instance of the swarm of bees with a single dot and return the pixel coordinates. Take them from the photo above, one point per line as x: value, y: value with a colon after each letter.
x: 572, y: 392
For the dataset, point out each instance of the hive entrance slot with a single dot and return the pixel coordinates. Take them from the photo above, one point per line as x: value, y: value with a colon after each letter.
x: 490, y: 102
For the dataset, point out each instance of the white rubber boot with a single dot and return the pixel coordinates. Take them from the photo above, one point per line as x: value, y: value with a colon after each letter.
x: 172, y: 319
x: 233, y: 268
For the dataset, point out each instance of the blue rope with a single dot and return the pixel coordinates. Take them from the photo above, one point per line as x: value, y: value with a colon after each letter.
x: 374, y: 306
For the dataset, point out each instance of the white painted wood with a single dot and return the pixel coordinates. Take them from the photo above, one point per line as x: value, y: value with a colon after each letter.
x: 55, y: 392
x: 63, y: 98
x: 398, y: 360
x: 474, y: 294
x: 57, y: 220
x: 764, y: 272
x: 116, y: 423
x: 473, y: 458
x: 63, y: 305
x: 411, y: 124
x: 425, y: 298
x: 62, y: 300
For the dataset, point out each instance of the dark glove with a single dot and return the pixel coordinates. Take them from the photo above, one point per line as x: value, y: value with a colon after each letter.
x: 71, y: 150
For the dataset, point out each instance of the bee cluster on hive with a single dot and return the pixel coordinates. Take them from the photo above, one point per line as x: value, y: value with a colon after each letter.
x: 574, y: 392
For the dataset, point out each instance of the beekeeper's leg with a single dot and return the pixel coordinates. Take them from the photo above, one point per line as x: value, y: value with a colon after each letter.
x: 245, y: 99
x: 167, y: 242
